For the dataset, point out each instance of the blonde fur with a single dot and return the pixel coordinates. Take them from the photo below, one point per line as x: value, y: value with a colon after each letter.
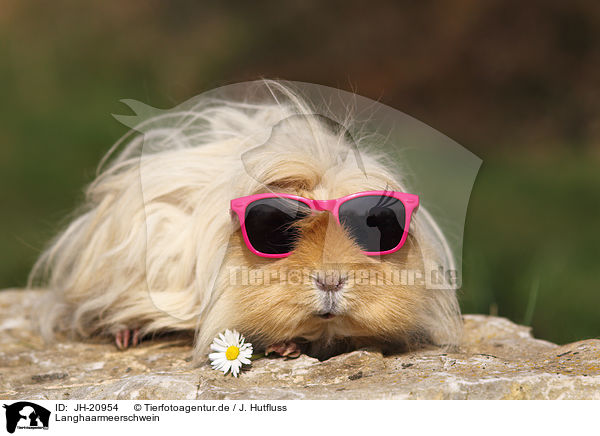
x: 154, y: 244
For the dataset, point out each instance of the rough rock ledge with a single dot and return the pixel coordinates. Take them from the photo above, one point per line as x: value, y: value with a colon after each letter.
x: 498, y: 359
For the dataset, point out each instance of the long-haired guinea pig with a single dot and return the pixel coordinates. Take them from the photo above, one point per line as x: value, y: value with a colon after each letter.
x: 156, y: 247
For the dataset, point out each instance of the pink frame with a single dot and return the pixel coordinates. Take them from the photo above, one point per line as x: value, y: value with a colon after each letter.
x: 410, y: 202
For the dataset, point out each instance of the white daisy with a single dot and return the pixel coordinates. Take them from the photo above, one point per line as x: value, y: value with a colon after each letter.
x: 230, y: 352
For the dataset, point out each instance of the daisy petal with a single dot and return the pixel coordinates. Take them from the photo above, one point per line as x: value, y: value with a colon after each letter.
x: 219, y: 342
x: 220, y: 348
x: 216, y: 356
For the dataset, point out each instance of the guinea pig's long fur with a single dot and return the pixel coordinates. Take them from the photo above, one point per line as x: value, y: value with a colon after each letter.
x: 155, y: 247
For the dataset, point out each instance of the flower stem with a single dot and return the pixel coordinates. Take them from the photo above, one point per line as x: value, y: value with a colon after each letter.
x: 257, y: 356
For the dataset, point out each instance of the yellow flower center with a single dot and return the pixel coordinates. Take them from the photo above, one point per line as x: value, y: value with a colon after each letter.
x: 232, y: 353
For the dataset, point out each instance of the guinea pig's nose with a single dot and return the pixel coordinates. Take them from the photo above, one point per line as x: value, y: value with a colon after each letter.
x: 330, y: 282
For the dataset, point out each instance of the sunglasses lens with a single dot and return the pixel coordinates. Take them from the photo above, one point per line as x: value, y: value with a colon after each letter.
x: 376, y: 222
x: 269, y: 224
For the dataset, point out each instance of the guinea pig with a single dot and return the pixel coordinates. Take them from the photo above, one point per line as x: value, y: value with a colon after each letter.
x: 156, y: 246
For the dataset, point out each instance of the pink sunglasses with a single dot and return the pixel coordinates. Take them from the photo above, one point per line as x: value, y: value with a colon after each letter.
x: 377, y: 220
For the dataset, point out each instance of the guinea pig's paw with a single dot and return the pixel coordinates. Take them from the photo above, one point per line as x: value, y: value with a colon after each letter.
x: 127, y: 337
x: 284, y: 349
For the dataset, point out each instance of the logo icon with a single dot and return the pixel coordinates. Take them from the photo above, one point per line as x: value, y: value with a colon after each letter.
x: 26, y: 415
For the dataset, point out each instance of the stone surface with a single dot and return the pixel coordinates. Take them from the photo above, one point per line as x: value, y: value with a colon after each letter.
x: 498, y: 359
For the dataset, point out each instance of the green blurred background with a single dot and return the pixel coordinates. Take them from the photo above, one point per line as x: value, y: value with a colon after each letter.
x: 515, y: 82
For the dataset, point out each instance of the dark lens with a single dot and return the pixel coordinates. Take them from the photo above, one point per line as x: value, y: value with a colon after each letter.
x: 269, y: 224
x: 375, y: 222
